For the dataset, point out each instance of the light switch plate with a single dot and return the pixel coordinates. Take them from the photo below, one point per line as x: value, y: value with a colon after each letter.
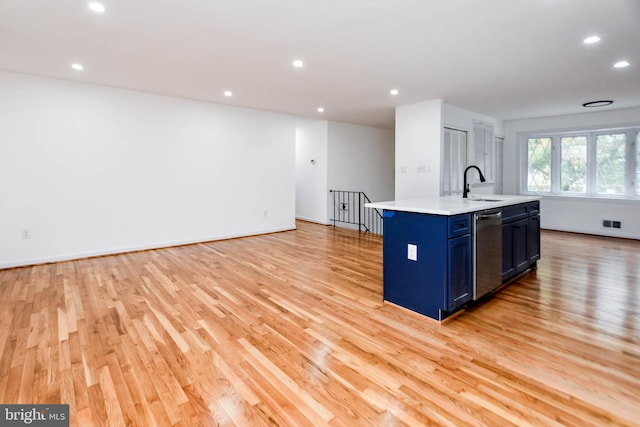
x: 412, y: 252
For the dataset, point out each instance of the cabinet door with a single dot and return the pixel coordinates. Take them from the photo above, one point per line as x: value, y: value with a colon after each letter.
x: 454, y: 161
x: 484, y: 149
x: 520, y: 235
x: 460, y: 270
x: 515, y: 258
x: 533, y: 239
x: 508, y: 263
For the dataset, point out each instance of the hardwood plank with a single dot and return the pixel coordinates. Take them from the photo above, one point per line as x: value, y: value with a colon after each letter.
x: 290, y: 329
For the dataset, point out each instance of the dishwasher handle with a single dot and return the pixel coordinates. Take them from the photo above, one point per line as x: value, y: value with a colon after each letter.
x: 481, y: 217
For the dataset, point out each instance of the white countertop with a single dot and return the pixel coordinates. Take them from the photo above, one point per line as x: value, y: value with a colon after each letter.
x: 453, y: 205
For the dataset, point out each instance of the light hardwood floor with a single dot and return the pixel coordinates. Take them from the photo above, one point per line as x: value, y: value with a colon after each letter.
x: 290, y: 329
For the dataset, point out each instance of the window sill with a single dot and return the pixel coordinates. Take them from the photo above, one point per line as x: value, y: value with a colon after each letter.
x: 583, y: 198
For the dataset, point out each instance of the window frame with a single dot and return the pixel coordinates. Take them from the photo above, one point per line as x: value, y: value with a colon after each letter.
x: 525, y: 171
x: 632, y: 156
x: 589, y: 158
x: 628, y: 182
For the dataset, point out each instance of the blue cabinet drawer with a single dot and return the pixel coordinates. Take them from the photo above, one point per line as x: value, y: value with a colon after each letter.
x: 459, y: 225
x: 534, y: 208
x: 515, y: 212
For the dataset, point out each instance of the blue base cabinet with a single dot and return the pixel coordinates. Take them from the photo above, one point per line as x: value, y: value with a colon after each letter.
x: 427, y: 262
x: 520, y: 238
x: 428, y: 259
x: 459, y: 272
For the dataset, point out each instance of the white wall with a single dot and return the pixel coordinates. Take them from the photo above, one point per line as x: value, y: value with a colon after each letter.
x: 93, y: 170
x: 418, y: 149
x: 462, y: 119
x: 573, y: 214
x: 347, y: 157
x: 361, y: 158
x: 582, y: 215
x: 311, y: 178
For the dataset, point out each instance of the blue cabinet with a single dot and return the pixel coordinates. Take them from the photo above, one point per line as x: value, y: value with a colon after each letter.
x: 533, y: 238
x: 459, y: 272
x: 428, y: 259
x: 427, y: 262
x: 520, y: 238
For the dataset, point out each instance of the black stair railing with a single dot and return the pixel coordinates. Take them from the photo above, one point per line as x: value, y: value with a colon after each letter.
x: 348, y: 208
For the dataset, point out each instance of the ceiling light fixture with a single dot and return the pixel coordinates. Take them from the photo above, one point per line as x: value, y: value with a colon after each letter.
x: 393, y: 91
x: 594, y: 104
x: 320, y: 109
x: 228, y: 93
x: 298, y: 63
x: 96, y: 7
x: 621, y: 64
x: 77, y: 67
x: 591, y: 40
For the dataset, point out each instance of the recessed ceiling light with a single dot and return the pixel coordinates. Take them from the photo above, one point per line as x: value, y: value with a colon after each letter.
x: 77, y: 67
x: 591, y: 40
x: 320, y: 109
x: 393, y: 91
x: 298, y: 63
x: 621, y: 64
x: 593, y: 104
x: 228, y: 93
x: 96, y: 6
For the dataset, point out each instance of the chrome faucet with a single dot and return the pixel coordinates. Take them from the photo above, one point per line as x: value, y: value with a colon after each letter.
x: 466, y: 190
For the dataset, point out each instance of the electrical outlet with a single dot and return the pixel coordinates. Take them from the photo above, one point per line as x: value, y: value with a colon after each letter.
x: 412, y: 252
x: 606, y: 223
x: 616, y: 224
x: 26, y: 234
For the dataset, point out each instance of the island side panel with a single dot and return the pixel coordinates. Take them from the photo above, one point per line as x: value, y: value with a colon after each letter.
x: 419, y: 285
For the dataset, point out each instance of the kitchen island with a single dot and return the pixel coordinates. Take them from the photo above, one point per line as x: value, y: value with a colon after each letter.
x: 430, y: 249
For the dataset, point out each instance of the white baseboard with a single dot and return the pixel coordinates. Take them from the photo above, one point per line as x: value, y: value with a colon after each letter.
x: 317, y: 221
x: 605, y: 233
x: 91, y: 254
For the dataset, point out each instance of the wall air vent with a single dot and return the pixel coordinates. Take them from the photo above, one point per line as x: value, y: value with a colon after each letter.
x: 609, y: 223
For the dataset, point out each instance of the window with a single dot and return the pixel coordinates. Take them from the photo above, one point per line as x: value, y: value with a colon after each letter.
x: 611, y: 163
x: 573, y: 173
x: 601, y: 163
x: 539, y: 164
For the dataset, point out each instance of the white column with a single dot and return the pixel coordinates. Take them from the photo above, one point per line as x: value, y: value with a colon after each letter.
x: 419, y: 134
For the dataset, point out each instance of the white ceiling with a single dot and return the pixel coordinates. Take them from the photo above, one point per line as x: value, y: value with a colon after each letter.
x: 504, y: 58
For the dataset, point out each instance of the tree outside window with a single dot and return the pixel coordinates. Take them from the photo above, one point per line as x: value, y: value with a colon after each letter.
x: 573, y: 171
x: 611, y: 151
x: 539, y: 164
x: 596, y: 163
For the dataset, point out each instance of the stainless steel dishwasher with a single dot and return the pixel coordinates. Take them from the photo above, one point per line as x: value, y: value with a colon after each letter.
x: 487, y: 255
